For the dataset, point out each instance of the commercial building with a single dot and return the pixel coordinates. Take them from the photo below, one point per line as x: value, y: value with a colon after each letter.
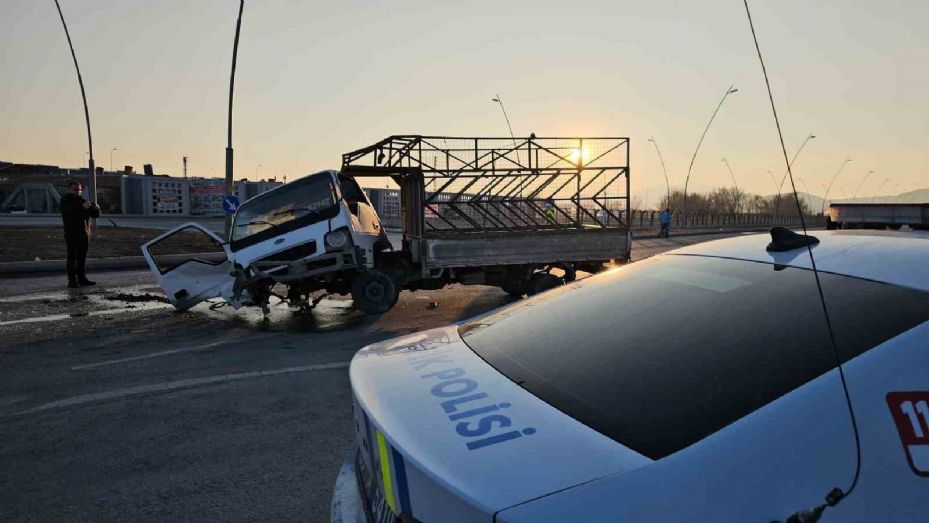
x: 37, y: 189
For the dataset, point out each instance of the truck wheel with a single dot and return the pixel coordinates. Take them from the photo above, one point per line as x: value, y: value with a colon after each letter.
x: 374, y: 292
x: 895, y: 226
x: 542, y: 281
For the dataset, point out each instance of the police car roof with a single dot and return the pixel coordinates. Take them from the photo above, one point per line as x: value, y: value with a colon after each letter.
x: 889, y: 257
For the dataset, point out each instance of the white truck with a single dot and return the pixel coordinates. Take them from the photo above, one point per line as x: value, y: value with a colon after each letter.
x: 523, y: 216
x: 878, y: 216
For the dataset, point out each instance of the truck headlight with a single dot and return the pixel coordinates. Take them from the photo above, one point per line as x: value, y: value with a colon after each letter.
x: 337, y: 239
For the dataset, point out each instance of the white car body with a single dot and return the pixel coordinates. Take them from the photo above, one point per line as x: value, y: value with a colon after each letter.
x: 444, y: 436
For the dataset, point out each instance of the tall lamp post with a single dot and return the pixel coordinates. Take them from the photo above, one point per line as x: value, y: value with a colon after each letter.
x: 80, y: 81
x: 869, y: 173
x: 499, y: 101
x: 235, y: 50
x: 780, y: 187
x: 735, y: 183
x: 807, y: 190
x: 836, y: 175
x: 879, y: 187
x: 729, y: 91
x: 111, y: 158
x: 661, y: 159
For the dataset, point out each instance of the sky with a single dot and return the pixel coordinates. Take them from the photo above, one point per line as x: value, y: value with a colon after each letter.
x: 317, y: 79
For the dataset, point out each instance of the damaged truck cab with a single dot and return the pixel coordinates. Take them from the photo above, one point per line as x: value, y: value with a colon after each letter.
x: 312, y: 234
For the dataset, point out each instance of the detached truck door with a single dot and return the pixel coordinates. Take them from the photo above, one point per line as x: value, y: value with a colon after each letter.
x: 192, y: 264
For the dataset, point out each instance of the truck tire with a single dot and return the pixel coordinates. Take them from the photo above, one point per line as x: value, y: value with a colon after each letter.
x: 542, y: 281
x: 895, y: 226
x: 374, y: 292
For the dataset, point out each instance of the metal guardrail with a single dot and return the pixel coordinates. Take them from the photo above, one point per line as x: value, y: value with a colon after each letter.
x: 650, y: 219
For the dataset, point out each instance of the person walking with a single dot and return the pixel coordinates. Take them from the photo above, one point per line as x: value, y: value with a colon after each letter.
x: 76, y: 213
x: 665, y: 220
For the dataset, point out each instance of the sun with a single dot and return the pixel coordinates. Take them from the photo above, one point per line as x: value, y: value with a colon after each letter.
x: 578, y: 156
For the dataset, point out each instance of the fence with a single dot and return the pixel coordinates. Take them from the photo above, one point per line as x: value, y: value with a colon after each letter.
x: 650, y: 220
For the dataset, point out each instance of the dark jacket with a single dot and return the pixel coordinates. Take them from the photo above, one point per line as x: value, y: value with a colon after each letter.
x: 74, y: 217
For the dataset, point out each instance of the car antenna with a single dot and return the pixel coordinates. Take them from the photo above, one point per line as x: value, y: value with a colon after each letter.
x: 835, y: 495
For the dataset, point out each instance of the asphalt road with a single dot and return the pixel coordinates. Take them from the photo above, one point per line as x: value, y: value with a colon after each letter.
x: 114, y: 407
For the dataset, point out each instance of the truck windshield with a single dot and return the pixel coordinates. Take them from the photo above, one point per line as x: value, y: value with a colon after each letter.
x: 661, y: 353
x: 296, y: 204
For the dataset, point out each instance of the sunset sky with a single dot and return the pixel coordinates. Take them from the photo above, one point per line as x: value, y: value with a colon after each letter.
x: 316, y: 79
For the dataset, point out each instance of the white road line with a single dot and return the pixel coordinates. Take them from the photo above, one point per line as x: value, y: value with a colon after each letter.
x: 210, y: 345
x: 175, y: 385
x: 67, y: 294
x: 102, y: 312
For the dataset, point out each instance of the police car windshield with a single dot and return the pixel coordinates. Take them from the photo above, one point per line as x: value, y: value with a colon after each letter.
x: 661, y: 353
x: 305, y: 198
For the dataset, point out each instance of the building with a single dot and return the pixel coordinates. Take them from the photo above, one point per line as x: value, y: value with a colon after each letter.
x: 37, y: 189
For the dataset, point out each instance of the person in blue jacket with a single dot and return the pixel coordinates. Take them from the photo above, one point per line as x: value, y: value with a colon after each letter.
x: 665, y: 220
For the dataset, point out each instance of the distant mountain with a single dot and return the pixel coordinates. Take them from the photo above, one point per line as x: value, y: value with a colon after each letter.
x: 917, y: 196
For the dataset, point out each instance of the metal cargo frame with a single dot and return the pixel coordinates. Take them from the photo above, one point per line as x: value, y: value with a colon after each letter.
x: 469, y: 201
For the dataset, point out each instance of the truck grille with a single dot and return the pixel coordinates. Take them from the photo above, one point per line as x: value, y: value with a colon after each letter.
x: 293, y: 253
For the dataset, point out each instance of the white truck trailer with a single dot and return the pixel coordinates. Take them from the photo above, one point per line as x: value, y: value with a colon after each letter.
x: 878, y: 216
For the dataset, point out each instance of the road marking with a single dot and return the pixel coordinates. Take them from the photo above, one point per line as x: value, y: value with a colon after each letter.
x: 176, y: 351
x: 66, y: 295
x: 102, y: 312
x: 175, y: 385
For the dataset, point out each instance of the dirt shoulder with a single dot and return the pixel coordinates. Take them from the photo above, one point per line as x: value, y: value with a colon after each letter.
x: 48, y: 243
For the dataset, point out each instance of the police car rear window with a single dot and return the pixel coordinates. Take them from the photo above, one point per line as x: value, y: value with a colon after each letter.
x: 662, y: 353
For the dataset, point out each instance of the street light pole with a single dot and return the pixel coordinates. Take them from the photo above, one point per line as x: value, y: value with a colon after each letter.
x: 836, y: 175
x: 111, y: 158
x: 777, y: 205
x: 807, y: 190
x: 80, y: 80
x: 665, y: 170
x: 879, y: 187
x: 869, y: 173
x: 235, y: 50
x: 729, y: 91
x: 735, y: 183
x: 499, y: 100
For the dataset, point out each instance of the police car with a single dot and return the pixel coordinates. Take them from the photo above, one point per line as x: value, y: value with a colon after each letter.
x: 697, y: 385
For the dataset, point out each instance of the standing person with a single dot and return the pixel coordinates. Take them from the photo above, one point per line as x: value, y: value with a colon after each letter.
x: 665, y: 220
x: 76, y: 213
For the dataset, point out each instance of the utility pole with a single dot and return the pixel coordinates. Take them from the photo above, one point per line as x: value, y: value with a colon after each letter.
x: 235, y: 50
x: 185, y: 167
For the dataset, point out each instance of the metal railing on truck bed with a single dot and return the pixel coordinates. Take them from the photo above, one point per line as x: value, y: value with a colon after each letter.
x: 487, y: 185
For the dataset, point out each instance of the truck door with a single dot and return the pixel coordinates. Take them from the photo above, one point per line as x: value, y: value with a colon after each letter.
x: 192, y: 264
